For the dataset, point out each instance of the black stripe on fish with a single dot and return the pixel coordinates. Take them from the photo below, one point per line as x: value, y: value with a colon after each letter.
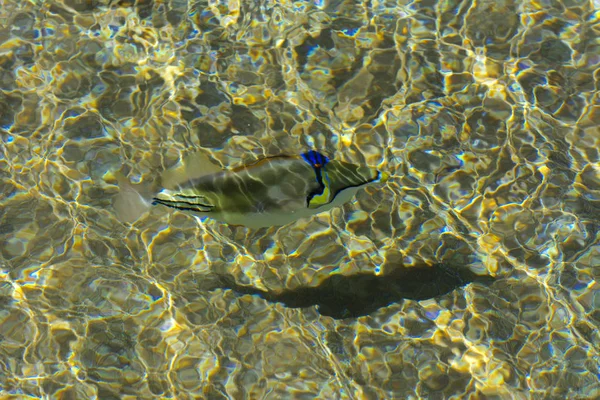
x: 183, y: 196
x: 321, y: 188
x: 184, y: 205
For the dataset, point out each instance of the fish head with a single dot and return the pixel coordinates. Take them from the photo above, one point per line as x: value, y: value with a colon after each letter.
x: 338, y: 176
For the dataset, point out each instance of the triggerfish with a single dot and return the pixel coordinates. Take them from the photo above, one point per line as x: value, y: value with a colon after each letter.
x: 271, y: 192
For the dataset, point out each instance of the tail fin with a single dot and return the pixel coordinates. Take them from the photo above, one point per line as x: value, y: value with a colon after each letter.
x: 132, y: 201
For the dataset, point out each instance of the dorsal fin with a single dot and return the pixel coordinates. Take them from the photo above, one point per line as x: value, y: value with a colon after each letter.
x: 259, y: 162
x: 192, y: 166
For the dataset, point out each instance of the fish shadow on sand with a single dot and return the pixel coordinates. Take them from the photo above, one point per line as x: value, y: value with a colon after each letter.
x: 357, y: 295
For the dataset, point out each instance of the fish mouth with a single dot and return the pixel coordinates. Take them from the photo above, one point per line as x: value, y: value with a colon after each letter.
x: 180, y: 201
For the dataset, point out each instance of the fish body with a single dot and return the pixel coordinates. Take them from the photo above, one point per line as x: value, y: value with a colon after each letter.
x: 271, y: 192
x: 277, y: 183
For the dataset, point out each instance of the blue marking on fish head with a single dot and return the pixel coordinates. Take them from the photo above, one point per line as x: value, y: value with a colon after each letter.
x: 315, y: 158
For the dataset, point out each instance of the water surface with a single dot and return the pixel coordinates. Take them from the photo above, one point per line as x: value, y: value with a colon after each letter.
x: 485, y: 114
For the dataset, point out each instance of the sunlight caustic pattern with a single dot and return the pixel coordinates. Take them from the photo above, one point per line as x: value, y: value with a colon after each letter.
x: 484, y: 113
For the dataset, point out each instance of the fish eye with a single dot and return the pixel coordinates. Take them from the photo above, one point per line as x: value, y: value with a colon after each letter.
x: 315, y: 158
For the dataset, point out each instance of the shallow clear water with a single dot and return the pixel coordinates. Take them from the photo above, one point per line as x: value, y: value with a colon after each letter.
x: 472, y: 273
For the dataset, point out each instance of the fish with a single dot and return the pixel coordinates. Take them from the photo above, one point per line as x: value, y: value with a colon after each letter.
x: 273, y: 191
